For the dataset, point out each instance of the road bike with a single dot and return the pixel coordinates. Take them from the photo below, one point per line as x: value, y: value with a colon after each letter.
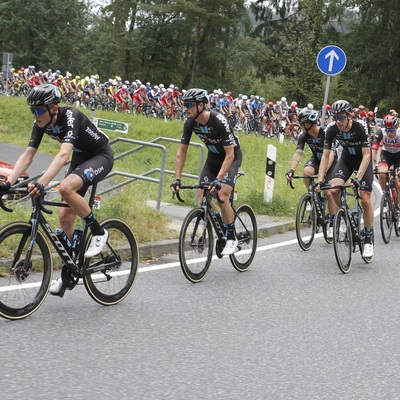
x: 196, y: 237
x: 311, y: 216
x: 348, y: 229
x: 26, y: 262
x: 389, y: 207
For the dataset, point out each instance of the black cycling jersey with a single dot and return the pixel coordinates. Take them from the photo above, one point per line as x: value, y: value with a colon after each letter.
x: 352, y: 142
x: 72, y: 126
x: 215, y: 134
x: 316, y: 145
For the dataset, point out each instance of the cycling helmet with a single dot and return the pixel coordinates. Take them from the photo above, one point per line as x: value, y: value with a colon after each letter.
x: 307, y: 115
x: 271, y: 104
x: 283, y: 99
x: 310, y: 106
x: 341, y: 106
x: 244, y: 97
x: 44, y: 95
x: 196, y: 95
x: 328, y: 107
x: 262, y: 99
x: 370, y: 114
x: 390, y: 121
x: 361, y: 107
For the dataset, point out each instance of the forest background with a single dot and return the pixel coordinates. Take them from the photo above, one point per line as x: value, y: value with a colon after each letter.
x: 267, y: 47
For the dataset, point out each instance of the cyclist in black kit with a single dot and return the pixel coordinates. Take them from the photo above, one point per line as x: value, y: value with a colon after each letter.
x: 92, y: 159
x: 353, y: 136
x: 314, y: 136
x: 223, y: 160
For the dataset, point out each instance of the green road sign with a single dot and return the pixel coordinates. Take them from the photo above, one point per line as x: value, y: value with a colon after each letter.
x: 111, y: 125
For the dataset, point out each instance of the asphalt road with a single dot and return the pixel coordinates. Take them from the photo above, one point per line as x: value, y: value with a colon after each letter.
x: 291, y: 327
x: 10, y: 153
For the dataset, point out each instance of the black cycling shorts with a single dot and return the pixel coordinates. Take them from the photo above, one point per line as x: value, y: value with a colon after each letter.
x: 212, y: 166
x: 92, y: 169
x: 344, y: 169
x: 390, y: 159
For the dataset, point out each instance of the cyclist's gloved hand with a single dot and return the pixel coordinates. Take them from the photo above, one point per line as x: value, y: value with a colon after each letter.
x: 175, y: 186
x: 289, y: 175
x: 38, y: 186
x: 216, y: 184
x: 4, y: 186
x: 356, y: 183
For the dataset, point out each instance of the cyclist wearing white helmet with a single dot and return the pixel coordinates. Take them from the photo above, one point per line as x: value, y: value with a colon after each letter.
x: 223, y: 160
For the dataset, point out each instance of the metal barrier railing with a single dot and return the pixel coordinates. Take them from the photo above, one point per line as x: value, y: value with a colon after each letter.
x: 145, y: 176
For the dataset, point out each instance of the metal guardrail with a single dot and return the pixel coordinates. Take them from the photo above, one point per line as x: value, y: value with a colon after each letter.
x: 139, y: 145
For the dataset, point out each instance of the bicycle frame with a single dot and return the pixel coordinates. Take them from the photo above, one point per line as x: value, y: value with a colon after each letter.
x: 78, y: 267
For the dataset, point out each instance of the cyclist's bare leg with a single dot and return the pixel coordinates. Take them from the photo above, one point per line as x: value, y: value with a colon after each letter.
x: 308, y: 171
x: 382, y: 167
x: 68, y: 190
x: 226, y: 209
x: 334, y: 195
x: 368, y: 209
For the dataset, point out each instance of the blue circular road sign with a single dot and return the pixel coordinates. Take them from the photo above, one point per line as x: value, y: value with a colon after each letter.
x: 331, y: 60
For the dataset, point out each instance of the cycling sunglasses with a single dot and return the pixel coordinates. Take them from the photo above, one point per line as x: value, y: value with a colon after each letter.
x: 339, y: 117
x: 189, y: 105
x: 390, y: 130
x: 37, y: 111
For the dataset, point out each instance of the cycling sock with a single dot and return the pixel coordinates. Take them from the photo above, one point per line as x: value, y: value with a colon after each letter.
x: 368, y: 234
x: 230, y: 231
x: 94, y: 225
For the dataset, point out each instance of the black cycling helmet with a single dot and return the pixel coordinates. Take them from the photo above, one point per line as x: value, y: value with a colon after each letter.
x: 307, y: 115
x: 44, y: 95
x: 341, y: 106
x: 196, y: 95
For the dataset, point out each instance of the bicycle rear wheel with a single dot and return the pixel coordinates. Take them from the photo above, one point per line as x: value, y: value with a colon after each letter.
x: 342, y: 240
x: 195, y: 245
x: 246, y: 233
x: 386, y: 217
x: 110, y: 276
x: 396, y: 215
x: 306, y: 221
x: 22, y: 291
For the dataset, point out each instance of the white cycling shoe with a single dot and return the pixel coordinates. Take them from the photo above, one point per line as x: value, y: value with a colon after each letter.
x: 368, y: 251
x: 57, y: 287
x: 96, y: 245
x: 230, y: 247
x: 329, y: 232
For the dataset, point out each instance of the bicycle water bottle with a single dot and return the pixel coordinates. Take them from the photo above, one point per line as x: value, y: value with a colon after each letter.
x: 76, y: 239
x: 354, y: 214
x: 63, y: 238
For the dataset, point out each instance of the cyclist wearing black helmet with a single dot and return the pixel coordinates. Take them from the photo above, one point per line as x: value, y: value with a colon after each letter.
x: 314, y: 136
x: 354, y: 138
x: 224, y: 155
x: 92, y: 159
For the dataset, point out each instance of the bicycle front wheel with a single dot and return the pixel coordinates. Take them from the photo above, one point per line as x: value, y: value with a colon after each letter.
x: 306, y: 221
x: 342, y: 240
x: 110, y: 275
x: 386, y: 217
x: 24, y: 283
x: 246, y: 234
x: 195, y: 245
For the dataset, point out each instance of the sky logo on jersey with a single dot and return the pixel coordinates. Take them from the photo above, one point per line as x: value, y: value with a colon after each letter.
x: 89, y: 173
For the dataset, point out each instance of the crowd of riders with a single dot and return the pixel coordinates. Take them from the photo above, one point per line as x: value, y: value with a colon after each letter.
x: 165, y: 101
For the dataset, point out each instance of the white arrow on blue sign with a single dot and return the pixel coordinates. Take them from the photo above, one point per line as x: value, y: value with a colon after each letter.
x: 331, y: 60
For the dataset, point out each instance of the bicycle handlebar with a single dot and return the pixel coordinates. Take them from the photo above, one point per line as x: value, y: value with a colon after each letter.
x: 38, y: 201
x: 204, y: 186
x: 310, y: 177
